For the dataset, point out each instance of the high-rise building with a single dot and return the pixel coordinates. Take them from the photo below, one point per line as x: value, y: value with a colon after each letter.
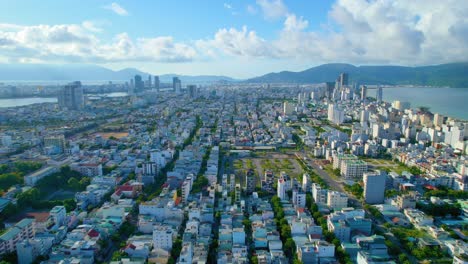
x: 71, y: 96
x: 330, y: 87
x: 438, y: 120
x: 55, y: 144
x: 306, y: 182
x: 162, y: 237
x: 363, y: 92
x: 139, y: 85
x: 299, y: 198
x: 237, y: 194
x: 150, y: 85
x: 176, y: 84
x: 156, y: 83
x: 335, y: 114
x: 288, y: 108
x: 281, y: 188
x: 374, y: 187
x: 337, y: 200
x: 320, y: 195
x: 58, y: 215
x: 250, y: 181
x: 379, y: 94
x: 192, y: 90
x: 343, y: 79
x: 353, y: 169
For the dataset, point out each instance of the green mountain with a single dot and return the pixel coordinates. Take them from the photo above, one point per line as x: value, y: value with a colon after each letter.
x: 453, y: 75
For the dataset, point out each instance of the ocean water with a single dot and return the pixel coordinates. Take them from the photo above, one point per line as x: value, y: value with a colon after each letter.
x: 451, y: 102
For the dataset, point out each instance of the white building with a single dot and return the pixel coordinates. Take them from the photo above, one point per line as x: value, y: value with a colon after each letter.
x: 58, y: 215
x: 353, y: 169
x: 337, y: 200
x: 320, y: 195
x: 162, y: 237
x: 281, y: 188
x: 299, y: 198
x: 22, y: 230
x: 374, y: 187
x: 33, y: 178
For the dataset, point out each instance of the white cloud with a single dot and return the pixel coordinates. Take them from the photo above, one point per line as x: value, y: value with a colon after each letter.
x: 91, y: 26
x: 273, y: 9
x: 361, y: 32
x: 358, y: 31
x: 236, y: 43
x: 293, y: 23
x: 118, y: 9
x: 78, y: 43
x: 227, y: 6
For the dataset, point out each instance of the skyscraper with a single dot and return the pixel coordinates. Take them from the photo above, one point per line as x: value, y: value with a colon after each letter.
x: 156, y: 83
x: 71, y: 96
x: 343, y: 79
x: 379, y: 94
x: 192, y: 90
x: 139, y: 85
x: 149, y: 82
x: 281, y: 188
x: 363, y: 92
x: 176, y: 84
x: 330, y: 88
x: 250, y: 181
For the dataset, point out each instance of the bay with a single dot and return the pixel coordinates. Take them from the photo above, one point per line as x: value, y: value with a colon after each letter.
x: 452, y: 102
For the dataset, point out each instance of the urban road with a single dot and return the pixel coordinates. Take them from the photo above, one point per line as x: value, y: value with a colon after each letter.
x: 332, y: 183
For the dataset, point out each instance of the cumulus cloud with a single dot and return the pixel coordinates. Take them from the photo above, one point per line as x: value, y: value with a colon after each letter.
x: 227, y: 6
x: 237, y: 43
x: 361, y: 31
x: 357, y: 31
x: 78, y: 43
x: 118, y: 9
x: 273, y: 9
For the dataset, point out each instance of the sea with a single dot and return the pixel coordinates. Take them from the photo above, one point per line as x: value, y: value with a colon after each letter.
x: 452, y: 102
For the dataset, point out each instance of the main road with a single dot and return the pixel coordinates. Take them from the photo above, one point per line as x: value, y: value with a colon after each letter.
x: 332, y: 183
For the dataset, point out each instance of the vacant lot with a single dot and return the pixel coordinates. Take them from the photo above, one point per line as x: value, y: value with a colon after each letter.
x: 387, y: 165
x: 107, y: 135
x: 276, y: 162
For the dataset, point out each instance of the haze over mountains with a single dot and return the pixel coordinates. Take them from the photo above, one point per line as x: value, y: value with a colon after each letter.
x: 453, y: 74
x: 88, y: 72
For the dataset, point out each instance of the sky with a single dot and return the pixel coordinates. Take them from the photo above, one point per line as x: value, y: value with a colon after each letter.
x: 241, y: 39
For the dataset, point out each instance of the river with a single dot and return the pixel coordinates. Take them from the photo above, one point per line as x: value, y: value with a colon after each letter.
x: 12, y: 102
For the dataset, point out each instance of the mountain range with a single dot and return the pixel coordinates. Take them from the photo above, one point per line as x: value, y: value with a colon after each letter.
x: 88, y: 72
x: 453, y: 74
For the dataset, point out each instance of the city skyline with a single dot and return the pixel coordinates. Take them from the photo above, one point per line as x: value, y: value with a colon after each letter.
x: 240, y: 39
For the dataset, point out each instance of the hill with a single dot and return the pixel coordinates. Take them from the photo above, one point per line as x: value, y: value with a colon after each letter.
x: 453, y: 75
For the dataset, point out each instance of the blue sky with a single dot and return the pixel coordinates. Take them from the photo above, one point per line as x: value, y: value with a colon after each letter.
x: 236, y: 38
